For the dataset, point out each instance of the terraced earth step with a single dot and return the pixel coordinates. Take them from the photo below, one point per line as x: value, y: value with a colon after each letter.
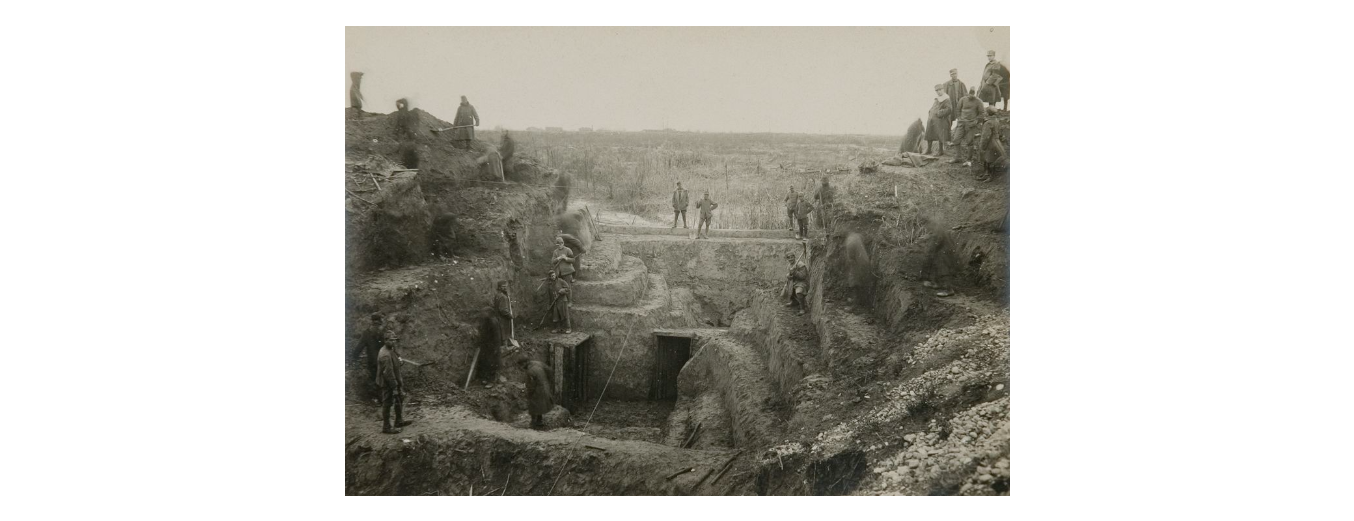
x: 623, y: 287
x: 657, y: 297
x: 688, y: 233
x: 603, y: 256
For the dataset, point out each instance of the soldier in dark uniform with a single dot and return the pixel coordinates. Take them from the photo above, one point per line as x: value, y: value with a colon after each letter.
x: 956, y: 90
x: 560, y: 291
x: 966, y: 129
x: 791, y: 204
x: 707, y: 208
x: 996, y: 85
x: 467, y: 117
x: 824, y: 197
x: 938, y: 122
x: 679, y: 205
x: 371, y: 341
x: 391, y: 384
x: 803, y: 210
x: 540, y: 398
x: 404, y: 120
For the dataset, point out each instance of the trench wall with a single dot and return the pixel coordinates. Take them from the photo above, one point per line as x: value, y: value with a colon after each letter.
x: 721, y: 273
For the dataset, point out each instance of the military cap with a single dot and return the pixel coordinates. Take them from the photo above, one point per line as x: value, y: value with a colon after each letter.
x: 940, y: 86
x: 952, y: 71
x: 991, y: 53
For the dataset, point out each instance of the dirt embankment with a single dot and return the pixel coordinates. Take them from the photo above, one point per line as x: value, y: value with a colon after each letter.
x: 433, y: 297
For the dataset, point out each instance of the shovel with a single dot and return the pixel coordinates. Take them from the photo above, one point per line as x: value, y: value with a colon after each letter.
x: 450, y: 128
x: 512, y: 326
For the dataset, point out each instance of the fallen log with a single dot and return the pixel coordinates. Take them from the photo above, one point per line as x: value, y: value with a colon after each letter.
x: 680, y: 472
x: 727, y: 465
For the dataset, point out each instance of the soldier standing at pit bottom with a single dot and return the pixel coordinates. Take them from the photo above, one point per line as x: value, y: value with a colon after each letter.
x: 540, y: 399
x: 797, y: 282
x: 392, y: 384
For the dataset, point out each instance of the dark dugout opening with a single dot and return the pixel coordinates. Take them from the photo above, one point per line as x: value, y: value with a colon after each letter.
x: 673, y: 350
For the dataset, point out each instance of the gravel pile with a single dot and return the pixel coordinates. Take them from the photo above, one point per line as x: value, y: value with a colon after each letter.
x: 958, y: 452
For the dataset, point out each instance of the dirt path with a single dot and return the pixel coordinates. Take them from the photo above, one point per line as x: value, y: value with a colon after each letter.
x: 605, y: 215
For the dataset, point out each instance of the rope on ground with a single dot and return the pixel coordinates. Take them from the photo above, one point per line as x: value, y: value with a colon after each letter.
x: 624, y: 344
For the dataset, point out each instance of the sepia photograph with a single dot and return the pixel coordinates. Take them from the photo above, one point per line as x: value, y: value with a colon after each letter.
x: 655, y: 261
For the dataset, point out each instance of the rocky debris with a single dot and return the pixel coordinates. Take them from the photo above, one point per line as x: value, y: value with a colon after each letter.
x: 965, y: 453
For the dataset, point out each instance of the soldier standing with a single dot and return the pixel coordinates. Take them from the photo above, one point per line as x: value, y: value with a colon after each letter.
x: 956, y: 90
x: 938, y: 122
x: 970, y: 118
x: 996, y: 85
x: 371, y: 341
x: 791, y: 204
x: 824, y: 197
x: 803, y: 210
x: 467, y: 118
x: 391, y: 384
x: 540, y: 398
x: 560, y: 291
x: 679, y: 205
x: 707, y: 208
x: 563, y: 260
x: 575, y: 246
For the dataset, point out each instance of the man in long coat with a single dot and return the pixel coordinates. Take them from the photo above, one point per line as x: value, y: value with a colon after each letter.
x: 560, y: 293
x: 707, y: 208
x: 540, y: 398
x: 996, y: 85
x: 956, y: 90
x: 791, y: 203
x: 824, y: 197
x: 563, y: 260
x: 576, y: 247
x: 392, y: 384
x: 938, y: 122
x: 503, y: 308
x: 803, y: 210
x: 465, y: 116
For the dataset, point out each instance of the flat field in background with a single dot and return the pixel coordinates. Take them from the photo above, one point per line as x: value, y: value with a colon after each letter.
x: 747, y: 174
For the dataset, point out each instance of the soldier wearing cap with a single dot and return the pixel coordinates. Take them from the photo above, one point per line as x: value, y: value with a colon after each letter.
x: 996, y: 84
x: 563, y: 260
x: 938, y: 122
x: 707, y: 208
x: 391, y: 384
x: 956, y: 90
x: 575, y: 246
x: 371, y: 341
x: 966, y: 129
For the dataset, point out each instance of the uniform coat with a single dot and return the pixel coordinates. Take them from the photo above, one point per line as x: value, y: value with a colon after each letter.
x: 989, y: 143
x: 388, y: 371
x: 371, y: 342
x: 679, y: 199
x: 707, y: 207
x: 565, y: 265
x: 561, y: 300
x: 938, y: 121
x: 465, y: 115
x: 996, y: 82
x: 540, y: 399
x: 956, y: 91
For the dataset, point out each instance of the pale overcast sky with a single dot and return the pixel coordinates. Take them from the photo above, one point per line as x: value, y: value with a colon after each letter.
x: 819, y: 80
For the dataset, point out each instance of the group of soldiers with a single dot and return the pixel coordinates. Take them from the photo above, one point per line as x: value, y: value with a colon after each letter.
x: 680, y: 203
x: 967, y: 118
x: 381, y: 347
x: 462, y: 127
x: 798, y: 209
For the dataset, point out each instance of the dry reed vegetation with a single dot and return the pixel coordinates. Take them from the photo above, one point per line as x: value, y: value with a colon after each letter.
x: 747, y: 174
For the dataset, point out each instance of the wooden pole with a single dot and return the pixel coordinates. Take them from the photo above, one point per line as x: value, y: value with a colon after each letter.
x: 472, y: 369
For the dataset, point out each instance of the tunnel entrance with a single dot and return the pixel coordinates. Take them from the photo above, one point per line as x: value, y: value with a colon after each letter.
x: 673, y: 350
x: 572, y: 361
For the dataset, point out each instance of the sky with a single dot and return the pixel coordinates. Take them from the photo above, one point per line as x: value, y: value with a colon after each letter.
x: 817, y: 80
